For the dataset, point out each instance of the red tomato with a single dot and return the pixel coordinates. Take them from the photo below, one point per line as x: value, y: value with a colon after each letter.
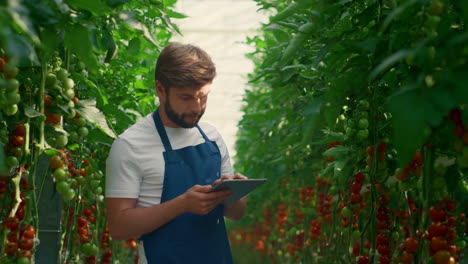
x: 28, y: 232
x: 12, y: 236
x: 26, y: 244
x: 411, y: 245
x: 17, y: 141
x: 12, y: 223
x: 10, y: 248
x: 443, y: 257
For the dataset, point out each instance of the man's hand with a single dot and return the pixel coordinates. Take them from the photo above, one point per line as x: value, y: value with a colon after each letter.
x: 234, y: 211
x: 230, y: 177
x: 199, y: 199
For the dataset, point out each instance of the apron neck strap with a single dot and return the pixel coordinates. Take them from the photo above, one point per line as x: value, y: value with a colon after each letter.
x: 161, y: 130
x: 163, y: 134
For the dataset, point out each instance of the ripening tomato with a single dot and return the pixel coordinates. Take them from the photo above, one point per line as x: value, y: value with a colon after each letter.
x: 12, y: 236
x: 26, y: 244
x: 12, y: 223
x: 11, y: 248
x: 28, y: 232
x: 52, y: 118
x: 443, y: 257
x: 19, y: 130
x: 411, y: 244
x: 24, y: 254
x: 56, y: 162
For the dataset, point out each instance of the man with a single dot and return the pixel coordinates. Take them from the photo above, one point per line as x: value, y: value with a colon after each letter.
x: 160, y: 171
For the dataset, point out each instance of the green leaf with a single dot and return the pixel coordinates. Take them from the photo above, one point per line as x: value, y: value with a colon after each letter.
x: 174, y: 14
x: 409, y: 114
x: 94, y: 6
x: 338, y: 152
x: 132, y: 22
x: 395, y: 13
x: 390, y: 61
x: 31, y: 112
x: 20, y: 17
x: 19, y: 47
x: 50, y: 41
x: 77, y: 39
x: 312, y: 115
x: 87, y: 109
x: 51, y: 152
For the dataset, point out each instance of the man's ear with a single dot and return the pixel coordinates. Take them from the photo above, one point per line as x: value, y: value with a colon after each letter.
x: 160, y: 89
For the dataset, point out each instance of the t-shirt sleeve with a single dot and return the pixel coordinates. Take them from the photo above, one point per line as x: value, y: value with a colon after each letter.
x: 123, y: 176
x: 226, y: 167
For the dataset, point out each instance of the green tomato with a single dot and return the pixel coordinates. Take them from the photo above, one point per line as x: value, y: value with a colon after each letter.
x: 61, y: 141
x: 98, y: 190
x: 72, y: 113
x: 69, y: 93
x: 10, y: 71
x: 363, y: 123
x: 80, y: 122
x: 356, y: 235
x: 364, y: 104
x: 97, y: 176
x: 68, y: 84
x: 95, y: 183
x: 71, y: 104
x: 17, y: 152
x: 73, y: 183
x: 62, y: 187
x: 13, y: 98
x: 83, y: 131
x: 23, y: 260
x: 60, y: 174
x: 11, y: 109
x: 12, y: 85
x: 346, y: 212
x: 12, y: 161
x: 69, y: 195
x: 62, y: 75
x: 74, y: 136
x: 362, y: 134
x: 351, y: 123
x: 350, y: 132
x: 81, y: 180
x: 461, y: 244
x: 51, y: 79
x: 395, y: 236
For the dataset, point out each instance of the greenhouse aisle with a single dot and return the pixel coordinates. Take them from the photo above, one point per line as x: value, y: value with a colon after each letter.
x: 221, y: 27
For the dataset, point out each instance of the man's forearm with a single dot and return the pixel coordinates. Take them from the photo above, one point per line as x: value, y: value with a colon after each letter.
x: 134, y: 222
x: 235, y: 211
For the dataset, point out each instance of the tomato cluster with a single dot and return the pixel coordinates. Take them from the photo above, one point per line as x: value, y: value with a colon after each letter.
x: 9, y: 87
x: 442, y: 232
x: 358, y: 125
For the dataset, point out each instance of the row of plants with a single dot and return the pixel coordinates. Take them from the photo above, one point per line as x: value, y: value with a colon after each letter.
x: 73, y: 75
x: 357, y: 114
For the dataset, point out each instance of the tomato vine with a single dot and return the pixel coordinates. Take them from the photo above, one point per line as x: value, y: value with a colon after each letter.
x: 368, y: 97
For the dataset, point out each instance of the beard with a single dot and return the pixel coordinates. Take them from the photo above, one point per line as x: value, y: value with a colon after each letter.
x: 179, y: 119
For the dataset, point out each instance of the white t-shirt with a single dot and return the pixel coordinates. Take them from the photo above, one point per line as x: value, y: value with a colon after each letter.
x: 135, y: 166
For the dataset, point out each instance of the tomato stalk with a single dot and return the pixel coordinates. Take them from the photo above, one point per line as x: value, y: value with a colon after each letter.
x: 16, y: 181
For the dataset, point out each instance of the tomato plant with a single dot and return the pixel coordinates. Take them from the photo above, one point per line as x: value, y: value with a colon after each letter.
x: 61, y: 80
x: 383, y: 78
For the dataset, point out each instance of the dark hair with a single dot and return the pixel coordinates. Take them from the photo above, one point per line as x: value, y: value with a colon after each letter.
x: 184, y: 65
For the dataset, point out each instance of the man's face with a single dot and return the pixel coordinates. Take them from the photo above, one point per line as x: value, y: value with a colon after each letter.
x: 185, y: 106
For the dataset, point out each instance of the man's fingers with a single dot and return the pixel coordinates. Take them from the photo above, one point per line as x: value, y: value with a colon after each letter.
x: 200, y: 188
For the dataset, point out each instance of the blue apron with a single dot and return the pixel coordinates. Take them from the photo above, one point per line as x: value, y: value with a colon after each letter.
x: 189, y: 238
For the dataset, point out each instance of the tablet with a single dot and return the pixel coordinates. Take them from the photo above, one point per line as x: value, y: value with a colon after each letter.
x: 238, y: 187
